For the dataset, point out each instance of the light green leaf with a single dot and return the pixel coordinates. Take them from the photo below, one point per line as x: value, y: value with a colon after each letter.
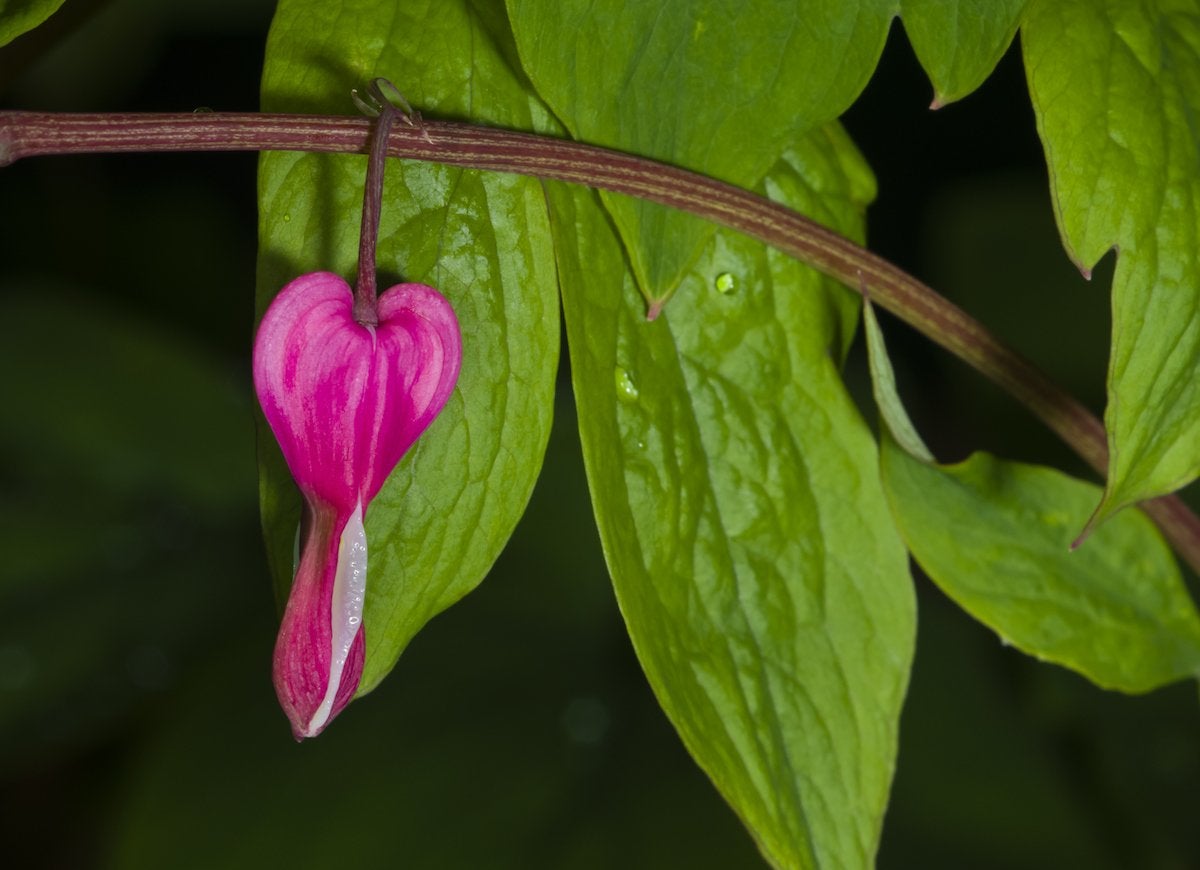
x: 959, y: 42
x: 481, y: 238
x: 996, y: 537
x: 736, y: 491
x: 716, y: 87
x: 1116, y: 87
x: 21, y: 16
x: 887, y: 397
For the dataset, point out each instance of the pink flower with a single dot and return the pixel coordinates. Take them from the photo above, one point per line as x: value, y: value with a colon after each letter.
x: 345, y: 402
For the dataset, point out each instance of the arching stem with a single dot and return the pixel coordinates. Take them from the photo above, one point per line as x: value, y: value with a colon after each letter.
x: 28, y: 134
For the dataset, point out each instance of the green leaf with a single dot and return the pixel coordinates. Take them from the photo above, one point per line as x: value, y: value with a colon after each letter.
x: 481, y: 238
x: 716, y: 87
x: 21, y: 16
x: 1116, y: 86
x: 887, y: 396
x: 724, y: 88
x: 996, y: 537
x: 959, y: 43
x: 737, y: 495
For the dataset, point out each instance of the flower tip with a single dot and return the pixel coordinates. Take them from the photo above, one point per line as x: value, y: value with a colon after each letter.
x: 310, y: 713
x: 321, y: 645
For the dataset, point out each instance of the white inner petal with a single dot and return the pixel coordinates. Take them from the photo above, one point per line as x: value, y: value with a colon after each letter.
x: 345, y: 611
x: 296, y: 549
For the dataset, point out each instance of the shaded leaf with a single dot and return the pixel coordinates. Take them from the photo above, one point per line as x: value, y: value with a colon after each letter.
x: 21, y: 16
x: 1116, y: 87
x: 131, y: 406
x: 128, y: 484
x: 736, y: 491
x: 480, y: 238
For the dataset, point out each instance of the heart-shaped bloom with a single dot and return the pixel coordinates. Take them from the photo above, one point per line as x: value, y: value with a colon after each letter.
x: 345, y: 402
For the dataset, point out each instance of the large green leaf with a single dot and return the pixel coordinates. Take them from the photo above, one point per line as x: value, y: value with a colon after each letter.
x: 1116, y: 86
x: 724, y: 88
x: 21, y: 16
x: 481, y: 238
x: 717, y: 87
x: 736, y: 490
x: 996, y: 537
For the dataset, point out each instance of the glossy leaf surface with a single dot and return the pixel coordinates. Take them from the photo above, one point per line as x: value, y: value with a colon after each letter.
x: 735, y: 487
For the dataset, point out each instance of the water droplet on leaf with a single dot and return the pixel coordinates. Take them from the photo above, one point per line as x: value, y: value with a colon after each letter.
x: 627, y: 391
x: 726, y: 283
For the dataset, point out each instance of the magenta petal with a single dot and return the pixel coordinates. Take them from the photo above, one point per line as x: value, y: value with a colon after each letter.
x: 312, y: 368
x: 345, y: 402
x: 418, y: 353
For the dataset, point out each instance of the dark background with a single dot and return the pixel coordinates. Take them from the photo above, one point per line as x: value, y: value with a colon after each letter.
x: 138, y: 726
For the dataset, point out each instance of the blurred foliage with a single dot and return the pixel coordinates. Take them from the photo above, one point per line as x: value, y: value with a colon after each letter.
x: 137, y: 619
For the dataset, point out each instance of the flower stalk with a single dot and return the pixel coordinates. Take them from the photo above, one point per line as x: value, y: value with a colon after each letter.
x: 28, y: 134
x: 378, y: 105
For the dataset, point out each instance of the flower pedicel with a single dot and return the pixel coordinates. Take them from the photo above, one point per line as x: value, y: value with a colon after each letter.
x: 347, y: 382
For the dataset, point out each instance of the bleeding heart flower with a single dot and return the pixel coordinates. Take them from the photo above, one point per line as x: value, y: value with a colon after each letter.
x: 346, y: 401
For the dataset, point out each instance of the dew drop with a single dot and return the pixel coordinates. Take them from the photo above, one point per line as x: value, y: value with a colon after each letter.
x: 626, y: 390
x: 726, y: 283
x: 287, y: 218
